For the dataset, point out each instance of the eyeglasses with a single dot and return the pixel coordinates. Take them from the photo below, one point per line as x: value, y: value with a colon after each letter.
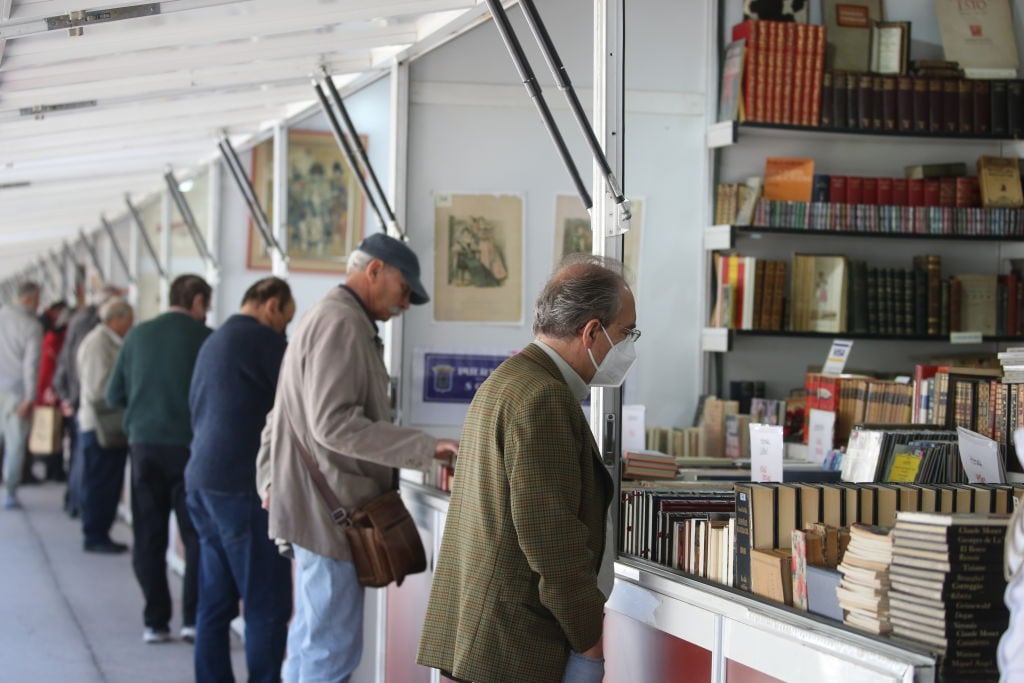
x: 633, y: 333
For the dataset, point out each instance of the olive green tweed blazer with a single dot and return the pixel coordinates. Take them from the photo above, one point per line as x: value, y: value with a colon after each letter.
x: 515, y: 583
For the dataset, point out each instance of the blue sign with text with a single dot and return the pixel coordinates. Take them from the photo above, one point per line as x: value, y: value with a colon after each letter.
x: 455, y: 377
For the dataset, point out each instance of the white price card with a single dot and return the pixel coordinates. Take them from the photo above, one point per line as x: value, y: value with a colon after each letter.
x: 634, y: 433
x: 822, y: 426
x: 766, y: 452
x: 980, y: 457
x: 837, y: 356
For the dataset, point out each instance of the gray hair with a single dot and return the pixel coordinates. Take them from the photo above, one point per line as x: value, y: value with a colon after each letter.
x: 28, y: 288
x: 114, y: 309
x: 357, y: 261
x: 583, y: 287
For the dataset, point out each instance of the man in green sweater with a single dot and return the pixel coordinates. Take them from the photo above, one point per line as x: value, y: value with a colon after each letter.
x: 151, y: 380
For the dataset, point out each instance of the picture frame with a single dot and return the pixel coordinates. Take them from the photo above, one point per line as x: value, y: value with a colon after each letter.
x: 326, y: 206
x: 890, y: 47
x: 478, y: 258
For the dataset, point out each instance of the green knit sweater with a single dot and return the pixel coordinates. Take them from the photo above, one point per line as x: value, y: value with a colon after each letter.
x: 151, y: 379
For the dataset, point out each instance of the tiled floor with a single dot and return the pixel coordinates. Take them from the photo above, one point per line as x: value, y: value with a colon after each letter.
x: 69, y: 616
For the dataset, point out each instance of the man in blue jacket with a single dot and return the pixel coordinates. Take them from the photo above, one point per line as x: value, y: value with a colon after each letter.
x: 233, y: 388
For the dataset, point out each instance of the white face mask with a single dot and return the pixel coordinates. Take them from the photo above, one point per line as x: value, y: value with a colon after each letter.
x: 616, y: 365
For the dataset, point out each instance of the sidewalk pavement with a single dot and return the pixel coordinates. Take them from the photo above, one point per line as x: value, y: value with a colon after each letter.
x: 69, y: 616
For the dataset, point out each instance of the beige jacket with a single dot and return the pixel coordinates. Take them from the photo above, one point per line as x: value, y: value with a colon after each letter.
x: 95, y: 360
x: 332, y: 394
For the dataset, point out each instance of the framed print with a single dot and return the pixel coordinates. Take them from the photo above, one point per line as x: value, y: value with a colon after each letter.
x: 478, y: 258
x: 573, y: 235
x: 325, y: 213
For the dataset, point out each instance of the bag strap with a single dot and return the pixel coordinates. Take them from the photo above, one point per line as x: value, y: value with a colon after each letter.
x: 338, y: 513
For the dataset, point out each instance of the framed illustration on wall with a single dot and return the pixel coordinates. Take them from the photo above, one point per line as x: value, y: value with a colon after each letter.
x: 478, y: 258
x: 572, y: 233
x: 325, y: 213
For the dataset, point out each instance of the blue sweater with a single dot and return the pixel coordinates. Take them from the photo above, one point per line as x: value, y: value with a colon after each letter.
x: 232, y: 391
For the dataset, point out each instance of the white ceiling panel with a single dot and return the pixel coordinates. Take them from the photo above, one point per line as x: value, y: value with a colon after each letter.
x: 92, y: 113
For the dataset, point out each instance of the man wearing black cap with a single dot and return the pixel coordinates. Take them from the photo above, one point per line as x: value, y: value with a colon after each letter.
x: 333, y: 401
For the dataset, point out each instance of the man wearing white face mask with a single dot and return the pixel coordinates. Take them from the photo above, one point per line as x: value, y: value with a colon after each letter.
x: 515, y: 594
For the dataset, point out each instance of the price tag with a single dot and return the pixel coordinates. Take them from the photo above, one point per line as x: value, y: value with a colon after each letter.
x: 633, y: 427
x: 980, y: 457
x: 766, y: 452
x: 837, y: 356
x: 822, y: 425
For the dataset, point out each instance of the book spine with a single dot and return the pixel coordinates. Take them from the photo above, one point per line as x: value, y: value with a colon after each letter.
x: 890, y: 113
x: 921, y: 105
x: 982, y: 107
x: 951, y: 106
x: 905, y: 104
x: 789, y: 84
x: 935, y: 107
x: 997, y: 109
x: 965, y: 107
x: 826, y: 101
x: 741, y: 564
x: 1014, y: 108
x: 840, y: 108
x: 865, y: 102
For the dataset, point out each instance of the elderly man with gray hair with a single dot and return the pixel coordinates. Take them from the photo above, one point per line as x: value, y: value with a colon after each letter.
x: 103, y: 446
x: 21, y: 336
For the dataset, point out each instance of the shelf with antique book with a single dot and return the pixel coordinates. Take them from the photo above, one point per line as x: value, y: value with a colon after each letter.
x: 726, y: 133
x: 724, y: 237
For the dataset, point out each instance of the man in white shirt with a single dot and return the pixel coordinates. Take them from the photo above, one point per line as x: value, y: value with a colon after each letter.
x: 21, y: 336
x: 103, y: 445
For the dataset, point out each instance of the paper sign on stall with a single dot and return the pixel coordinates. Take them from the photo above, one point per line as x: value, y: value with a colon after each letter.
x: 837, y: 356
x: 980, y: 458
x: 822, y: 426
x: 766, y: 451
x: 634, y: 432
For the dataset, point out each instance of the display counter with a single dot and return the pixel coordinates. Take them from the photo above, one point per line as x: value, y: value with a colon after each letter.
x: 664, y: 626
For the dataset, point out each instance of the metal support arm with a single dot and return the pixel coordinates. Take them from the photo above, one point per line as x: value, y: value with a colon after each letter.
x: 515, y: 50
x: 185, y: 211
x: 117, y: 248
x: 249, y: 197
x: 93, y: 256
x: 146, y: 242
x: 357, y: 144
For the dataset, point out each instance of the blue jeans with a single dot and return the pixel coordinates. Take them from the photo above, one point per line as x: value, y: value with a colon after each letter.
x: 325, y: 640
x: 580, y: 669
x: 237, y: 561
x: 13, y: 436
x: 102, y: 479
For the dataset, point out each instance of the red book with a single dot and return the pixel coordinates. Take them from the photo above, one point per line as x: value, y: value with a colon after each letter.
x: 799, y: 76
x: 854, y: 190
x: 816, y: 47
x: 837, y: 189
x: 967, y: 192
x: 931, y: 192
x: 899, y: 192
x: 885, y: 191
x: 752, y: 68
x: 787, y: 73
x: 947, y: 191
x: 915, y: 192
x: 870, y: 195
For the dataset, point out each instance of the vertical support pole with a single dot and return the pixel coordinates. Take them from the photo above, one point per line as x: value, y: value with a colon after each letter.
x: 134, y: 259
x: 606, y: 403
x: 165, y: 249
x: 213, y: 222
x: 279, y: 221
x: 398, y: 133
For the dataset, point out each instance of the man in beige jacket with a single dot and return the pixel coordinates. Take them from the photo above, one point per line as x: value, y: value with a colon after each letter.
x: 333, y: 398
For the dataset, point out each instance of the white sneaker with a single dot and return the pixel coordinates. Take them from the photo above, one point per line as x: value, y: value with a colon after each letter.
x: 188, y: 634
x: 156, y: 635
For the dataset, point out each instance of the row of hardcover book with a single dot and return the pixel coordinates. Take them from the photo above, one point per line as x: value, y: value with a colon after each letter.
x: 959, y: 192
x: 782, y: 71
x: 907, y: 104
x: 652, y: 517
x: 892, y: 220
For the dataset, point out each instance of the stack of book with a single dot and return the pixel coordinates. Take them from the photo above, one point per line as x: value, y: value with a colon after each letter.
x: 640, y: 464
x: 863, y: 592
x: 947, y: 588
x: 1012, y: 360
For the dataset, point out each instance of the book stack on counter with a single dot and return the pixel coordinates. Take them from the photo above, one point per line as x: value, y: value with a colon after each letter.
x: 863, y: 592
x: 640, y: 464
x: 947, y: 589
x: 1012, y: 360
x: 690, y: 528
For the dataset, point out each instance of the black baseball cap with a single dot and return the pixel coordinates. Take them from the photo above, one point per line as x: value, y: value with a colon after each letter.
x: 397, y: 255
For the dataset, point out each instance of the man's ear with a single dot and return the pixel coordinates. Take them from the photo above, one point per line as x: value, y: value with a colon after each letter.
x: 273, y: 305
x: 590, y: 332
x: 374, y: 268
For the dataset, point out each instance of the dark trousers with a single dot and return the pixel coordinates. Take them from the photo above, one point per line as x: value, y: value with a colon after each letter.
x: 73, y: 495
x: 103, y: 477
x: 239, y: 562
x: 158, y: 488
